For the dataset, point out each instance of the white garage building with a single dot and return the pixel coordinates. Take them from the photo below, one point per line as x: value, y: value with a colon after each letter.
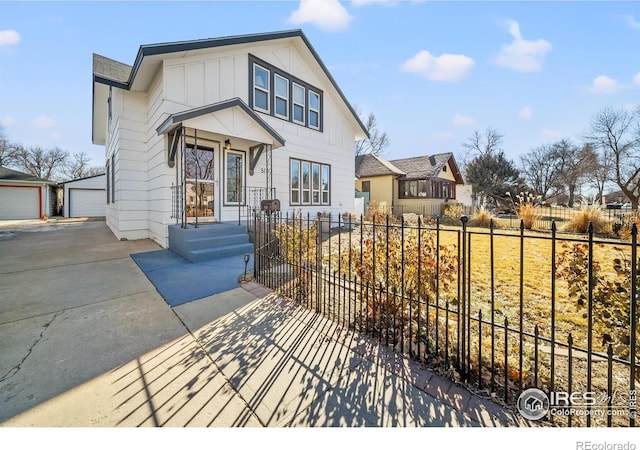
x: 23, y: 196
x: 85, y: 197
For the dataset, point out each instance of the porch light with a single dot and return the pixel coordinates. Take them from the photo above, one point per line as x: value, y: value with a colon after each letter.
x: 227, y: 144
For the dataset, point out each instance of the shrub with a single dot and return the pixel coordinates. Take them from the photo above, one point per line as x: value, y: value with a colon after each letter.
x: 451, y: 213
x: 526, y: 209
x: 579, y: 222
x: 481, y: 218
x: 404, y: 269
x: 611, y: 292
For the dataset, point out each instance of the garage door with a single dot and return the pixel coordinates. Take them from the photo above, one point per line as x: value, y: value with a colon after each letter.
x: 19, y: 203
x: 87, y: 202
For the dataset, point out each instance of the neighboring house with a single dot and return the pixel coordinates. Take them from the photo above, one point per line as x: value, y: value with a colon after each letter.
x: 206, y: 129
x: 23, y: 196
x: 418, y: 185
x: 85, y: 197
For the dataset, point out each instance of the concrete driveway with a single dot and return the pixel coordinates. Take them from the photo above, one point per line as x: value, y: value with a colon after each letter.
x: 86, y: 340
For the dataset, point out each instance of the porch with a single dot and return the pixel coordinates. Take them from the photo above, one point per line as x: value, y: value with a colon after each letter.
x: 221, y: 156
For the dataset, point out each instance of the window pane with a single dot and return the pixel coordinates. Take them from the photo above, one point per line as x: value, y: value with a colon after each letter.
x: 314, y: 101
x: 295, y: 197
x: 316, y: 177
x: 325, y: 197
x: 298, y: 113
x: 282, y: 87
x: 305, y: 175
x: 325, y: 178
x: 281, y: 107
x: 313, y: 119
x: 260, y: 99
x: 298, y: 94
x: 422, y: 188
x: 295, y: 174
x: 305, y: 197
x: 235, y: 177
x: 261, y: 77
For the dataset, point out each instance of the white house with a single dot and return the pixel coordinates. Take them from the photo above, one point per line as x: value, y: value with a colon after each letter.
x: 203, y: 130
x: 85, y: 197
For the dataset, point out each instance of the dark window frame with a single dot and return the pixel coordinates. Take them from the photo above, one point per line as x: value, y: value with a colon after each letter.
x: 308, y: 89
x: 301, y: 189
x: 437, y: 189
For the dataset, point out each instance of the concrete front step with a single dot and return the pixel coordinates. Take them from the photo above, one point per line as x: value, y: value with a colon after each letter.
x: 193, y: 244
x: 210, y: 241
x: 211, y: 253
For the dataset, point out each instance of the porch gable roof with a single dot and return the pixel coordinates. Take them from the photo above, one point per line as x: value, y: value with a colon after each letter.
x: 177, y: 118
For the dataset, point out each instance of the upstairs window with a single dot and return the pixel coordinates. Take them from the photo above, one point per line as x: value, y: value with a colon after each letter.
x: 314, y: 110
x: 282, y: 97
x: 279, y: 94
x: 260, y: 88
x: 298, y: 104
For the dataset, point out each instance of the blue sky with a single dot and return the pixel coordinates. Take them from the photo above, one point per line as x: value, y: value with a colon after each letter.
x: 432, y: 72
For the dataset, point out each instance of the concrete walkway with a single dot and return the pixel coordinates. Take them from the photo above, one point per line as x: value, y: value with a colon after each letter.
x: 86, y: 340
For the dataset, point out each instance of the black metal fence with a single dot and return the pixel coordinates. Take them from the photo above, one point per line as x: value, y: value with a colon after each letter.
x: 501, y: 310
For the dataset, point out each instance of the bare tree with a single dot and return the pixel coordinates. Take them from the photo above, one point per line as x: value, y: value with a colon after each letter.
x: 377, y: 142
x: 574, y: 163
x: 540, y: 170
x: 602, y: 173
x: 617, y: 132
x: 7, y: 150
x: 46, y: 164
x: 480, y: 144
x: 78, y: 167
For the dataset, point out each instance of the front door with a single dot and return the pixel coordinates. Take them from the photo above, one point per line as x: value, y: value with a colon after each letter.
x: 202, y: 201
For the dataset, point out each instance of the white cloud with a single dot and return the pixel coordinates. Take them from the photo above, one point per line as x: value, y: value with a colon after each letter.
x: 636, y: 79
x: 521, y: 54
x: 604, y: 85
x: 445, y: 67
x: 462, y: 121
x: 9, y: 37
x: 328, y: 15
x: 526, y: 112
x: 43, y: 122
x: 632, y: 22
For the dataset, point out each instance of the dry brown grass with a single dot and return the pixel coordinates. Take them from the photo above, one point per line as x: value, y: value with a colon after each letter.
x: 529, y: 214
x: 579, y: 222
x: 481, y: 218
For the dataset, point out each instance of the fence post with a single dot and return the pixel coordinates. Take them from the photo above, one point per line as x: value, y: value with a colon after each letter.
x: 633, y: 324
x: 590, y: 318
x: 462, y: 301
x: 318, y: 263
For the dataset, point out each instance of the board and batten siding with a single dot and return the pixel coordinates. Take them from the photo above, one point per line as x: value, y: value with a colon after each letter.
x: 143, y: 179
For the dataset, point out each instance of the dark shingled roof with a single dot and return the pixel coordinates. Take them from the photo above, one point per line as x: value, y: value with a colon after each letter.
x: 370, y: 166
x: 423, y: 166
x: 14, y: 175
x: 110, y: 69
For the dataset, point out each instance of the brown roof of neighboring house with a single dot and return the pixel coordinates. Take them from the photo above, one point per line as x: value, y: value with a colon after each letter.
x: 371, y: 166
x: 421, y: 167
x: 426, y: 166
